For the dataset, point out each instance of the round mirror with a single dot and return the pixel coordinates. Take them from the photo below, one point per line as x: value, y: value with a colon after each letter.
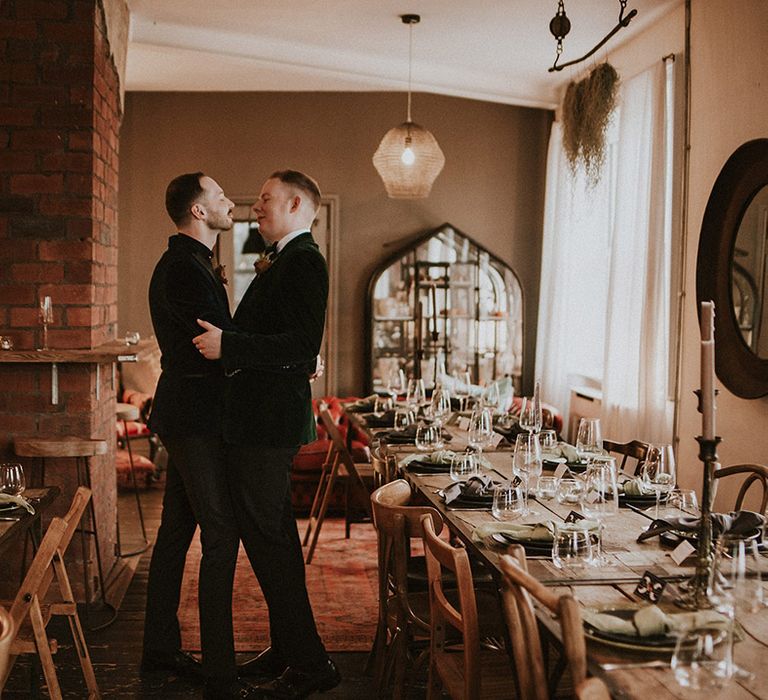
x: 731, y: 269
x: 748, y: 275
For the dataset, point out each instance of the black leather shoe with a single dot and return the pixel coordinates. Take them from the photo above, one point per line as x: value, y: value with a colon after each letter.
x: 230, y: 690
x: 293, y: 684
x: 177, y: 662
x: 266, y: 666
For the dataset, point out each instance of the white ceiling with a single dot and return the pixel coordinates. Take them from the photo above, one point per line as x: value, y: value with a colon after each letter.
x: 481, y: 49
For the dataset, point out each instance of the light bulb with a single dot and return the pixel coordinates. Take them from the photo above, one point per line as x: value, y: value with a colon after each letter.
x: 408, y: 156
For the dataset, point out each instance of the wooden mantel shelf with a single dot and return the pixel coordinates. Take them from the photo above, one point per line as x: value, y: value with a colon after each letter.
x: 113, y: 351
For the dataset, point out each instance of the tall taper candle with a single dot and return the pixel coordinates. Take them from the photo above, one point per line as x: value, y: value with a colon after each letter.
x: 708, y: 370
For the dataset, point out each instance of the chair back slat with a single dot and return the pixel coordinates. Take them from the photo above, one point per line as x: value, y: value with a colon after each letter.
x: 636, y: 449
x: 441, y: 554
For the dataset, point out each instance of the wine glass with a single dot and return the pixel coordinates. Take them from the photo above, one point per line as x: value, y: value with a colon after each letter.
x: 659, y: 472
x: 738, y: 565
x: 440, y: 406
x: 45, y: 314
x: 601, y: 496
x: 491, y: 397
x: 382, y: 404
x: 12, y: 480
x: 416, y: 395
x: 396, y: 383
x: 461, y: 384
x: 480, y: 428
x: 403, y: 418
x: 526, y: 462
x: 702, y: 660
x: 588, y: 438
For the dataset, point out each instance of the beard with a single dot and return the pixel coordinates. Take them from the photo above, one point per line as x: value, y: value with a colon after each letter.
x: 220, y: 221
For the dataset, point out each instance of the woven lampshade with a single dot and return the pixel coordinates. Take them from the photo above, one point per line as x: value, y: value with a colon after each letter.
x: 405, y: 180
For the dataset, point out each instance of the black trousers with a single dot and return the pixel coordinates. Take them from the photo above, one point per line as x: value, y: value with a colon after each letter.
x: 260, y: 485
x: 196, y: 492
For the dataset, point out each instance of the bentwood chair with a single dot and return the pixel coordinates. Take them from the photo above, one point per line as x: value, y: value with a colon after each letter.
x: 519, y: 587
x: 466, y: 670
x: 403, y: 620
x: 338, y: 464
x: 33, y: 606
x: 635, y: 449
x: 754, y: 474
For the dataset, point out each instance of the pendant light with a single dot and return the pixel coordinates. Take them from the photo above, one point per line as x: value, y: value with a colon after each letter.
x: 408, y: 158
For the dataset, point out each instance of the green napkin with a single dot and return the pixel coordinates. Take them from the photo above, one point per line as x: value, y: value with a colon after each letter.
x: 563, y: 450
x: 535, y: 532
x: 635, y: 487
x: 651, y: 621
x: 17, y: 501
x: 437, y: 457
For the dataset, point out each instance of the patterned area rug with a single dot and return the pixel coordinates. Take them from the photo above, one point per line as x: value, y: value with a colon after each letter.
x: 342, y: 585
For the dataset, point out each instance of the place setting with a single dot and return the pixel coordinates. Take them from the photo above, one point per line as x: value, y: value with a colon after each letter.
x: 12, y: 485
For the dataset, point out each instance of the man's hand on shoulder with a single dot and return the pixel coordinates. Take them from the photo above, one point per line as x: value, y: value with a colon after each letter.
x: 208, y: 343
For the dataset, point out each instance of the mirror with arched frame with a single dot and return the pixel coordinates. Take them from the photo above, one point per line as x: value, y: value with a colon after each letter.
x: 732, y: 269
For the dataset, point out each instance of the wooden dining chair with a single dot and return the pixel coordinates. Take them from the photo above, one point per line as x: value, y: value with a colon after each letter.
x: 403, y: 616
x: 384, y: 467
x: 519, y: 587
x: 755, y: 474
x: 636, y: 449
x: 35, y: 604
x: 7, y: 633
x: 338, y: 464
x: 464, y: 670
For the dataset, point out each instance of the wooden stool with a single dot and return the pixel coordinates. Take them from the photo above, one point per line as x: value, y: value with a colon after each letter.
x: 128, y: 412
x: 81, y: 450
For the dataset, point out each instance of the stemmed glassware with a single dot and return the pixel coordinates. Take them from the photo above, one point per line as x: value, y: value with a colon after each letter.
x: 45, y: 314
x: 461, y: 384
x: 396, y: 383
x: 491, y: 397
x: 659, y: 473
x: 440, y: 406
x: 601, y: 496
x: 530, y: 412
x: 588, y: 438
x: 480, y: 428
x: 416, y: 395
x: 526, y: 462
x: 12, y: 480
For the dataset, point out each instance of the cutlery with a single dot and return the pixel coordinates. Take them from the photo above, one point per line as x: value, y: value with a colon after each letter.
x: 10, y: 518
x: 637, y: 664
x: 640, y: 511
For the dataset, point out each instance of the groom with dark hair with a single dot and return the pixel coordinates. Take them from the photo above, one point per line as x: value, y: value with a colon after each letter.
x: 268, y: 415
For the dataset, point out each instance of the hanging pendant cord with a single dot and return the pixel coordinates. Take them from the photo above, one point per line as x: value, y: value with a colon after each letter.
x: 410, y: 67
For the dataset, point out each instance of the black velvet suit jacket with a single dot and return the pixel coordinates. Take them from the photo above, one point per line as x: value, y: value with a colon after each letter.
x: 280, y: 321
x: 190, y: 392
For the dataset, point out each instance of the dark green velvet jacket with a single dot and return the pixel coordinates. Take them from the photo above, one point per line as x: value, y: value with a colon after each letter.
x: 280, y: 322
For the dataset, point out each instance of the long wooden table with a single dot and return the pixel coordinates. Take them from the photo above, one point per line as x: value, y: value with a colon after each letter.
x: 14, y: 523
x: 610, y: 585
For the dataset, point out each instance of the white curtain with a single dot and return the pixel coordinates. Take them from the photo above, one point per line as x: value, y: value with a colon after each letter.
x: 605, y: 279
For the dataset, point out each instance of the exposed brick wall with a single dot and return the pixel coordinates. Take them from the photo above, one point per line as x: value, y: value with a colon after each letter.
x: 59, y: 134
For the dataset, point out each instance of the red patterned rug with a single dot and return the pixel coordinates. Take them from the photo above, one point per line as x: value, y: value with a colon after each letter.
x: 342, y: 585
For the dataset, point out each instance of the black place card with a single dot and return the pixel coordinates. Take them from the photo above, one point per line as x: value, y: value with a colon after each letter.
x: 573, y: 517
x: 650, y: 588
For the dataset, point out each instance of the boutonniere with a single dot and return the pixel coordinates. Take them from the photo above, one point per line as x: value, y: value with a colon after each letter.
x: 221, y: 273
x: 263, y: 264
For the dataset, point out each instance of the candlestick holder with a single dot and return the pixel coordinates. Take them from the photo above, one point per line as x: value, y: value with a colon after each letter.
x: 695, y: 591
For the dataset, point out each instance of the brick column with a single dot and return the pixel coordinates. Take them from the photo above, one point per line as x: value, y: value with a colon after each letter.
x: 59, y: 133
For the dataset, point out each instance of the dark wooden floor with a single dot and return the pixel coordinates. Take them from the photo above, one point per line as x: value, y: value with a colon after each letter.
x: 116, y: 651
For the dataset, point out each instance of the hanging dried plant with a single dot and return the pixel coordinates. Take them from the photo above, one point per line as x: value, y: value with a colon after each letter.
x: 587, y: 108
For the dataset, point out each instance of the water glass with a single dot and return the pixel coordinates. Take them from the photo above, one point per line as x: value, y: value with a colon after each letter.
x: 403, y: 418
x: 684, y: 500
x: 12, y: 479
x: 440, y: 406
x: 547, y: 487
x: 588, y: 438
x: 428, y: 437
x: 548, y: 440
x: 738, y: 574
x: 509, y: 501
x: 569, y: 492
x: 703, y: 659
x: 463, y: 466
x: 382, y: 404
x: 571, y: 546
